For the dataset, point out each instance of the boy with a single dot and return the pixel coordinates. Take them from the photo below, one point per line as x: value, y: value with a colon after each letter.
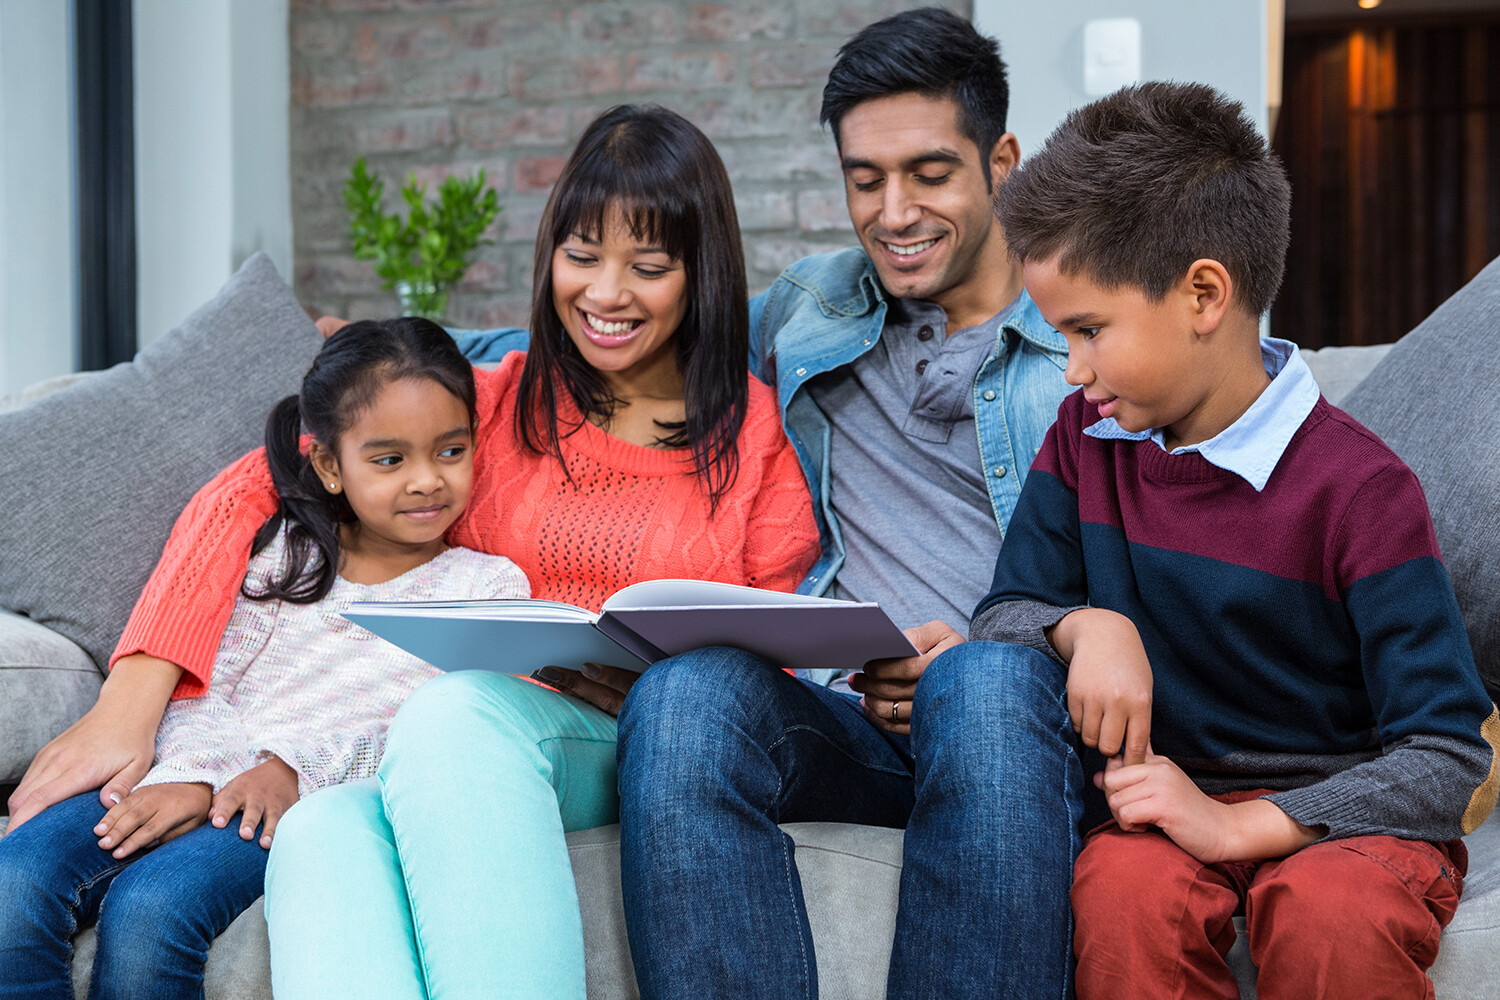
x: 1319, y: 739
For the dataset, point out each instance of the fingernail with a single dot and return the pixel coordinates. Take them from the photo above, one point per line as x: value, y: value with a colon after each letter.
x: 247, y: 832
x: 265, y: 842
x: 551, y: 675
x: 219, y: 822
x: 114, y: 797
x: 591, y: 670
x: 100, y: 829
x: 107, y: 842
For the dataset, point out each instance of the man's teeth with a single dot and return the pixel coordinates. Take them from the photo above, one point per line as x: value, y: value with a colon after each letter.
x: 611, y: 329
x: 907, y: 251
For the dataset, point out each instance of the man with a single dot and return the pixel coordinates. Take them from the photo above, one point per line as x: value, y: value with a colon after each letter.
x: 917, y: 381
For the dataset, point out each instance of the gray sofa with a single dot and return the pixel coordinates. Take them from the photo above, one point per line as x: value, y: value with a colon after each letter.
x: 1428, y: 396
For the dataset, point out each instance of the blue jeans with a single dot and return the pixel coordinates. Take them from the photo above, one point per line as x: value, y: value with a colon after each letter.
x: 717, y: 748
x: 157, y: 911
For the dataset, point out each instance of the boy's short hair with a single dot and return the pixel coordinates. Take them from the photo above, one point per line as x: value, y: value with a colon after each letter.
x: 1134, y: 187
x: 929, y: 51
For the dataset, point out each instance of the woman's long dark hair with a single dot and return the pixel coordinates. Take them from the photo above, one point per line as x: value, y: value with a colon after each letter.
x: 343, y: 381
x: 667, y: 179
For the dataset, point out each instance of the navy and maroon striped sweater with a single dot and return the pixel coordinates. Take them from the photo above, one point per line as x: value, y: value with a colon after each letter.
x: 1304, y: 638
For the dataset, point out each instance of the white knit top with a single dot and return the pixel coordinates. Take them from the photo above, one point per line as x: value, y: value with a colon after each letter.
x: 304, y: 683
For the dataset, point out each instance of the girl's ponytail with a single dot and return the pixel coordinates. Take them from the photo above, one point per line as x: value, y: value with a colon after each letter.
x: 344, y: 379
x: 311, y: 514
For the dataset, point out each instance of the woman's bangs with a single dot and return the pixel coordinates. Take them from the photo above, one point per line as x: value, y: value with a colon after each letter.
x: 656, y: 214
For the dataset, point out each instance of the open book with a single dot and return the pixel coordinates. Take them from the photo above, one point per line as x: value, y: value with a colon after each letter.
x: 639, y: 625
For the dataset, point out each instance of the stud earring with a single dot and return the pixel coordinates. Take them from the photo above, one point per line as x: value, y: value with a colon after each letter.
x: 333, y: 487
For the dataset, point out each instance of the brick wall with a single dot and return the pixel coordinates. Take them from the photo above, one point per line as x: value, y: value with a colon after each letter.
x: 434, y: 86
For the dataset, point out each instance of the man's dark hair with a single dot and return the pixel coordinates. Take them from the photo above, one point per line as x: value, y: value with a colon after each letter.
x: 929, y: 51
x: 1133, y: 188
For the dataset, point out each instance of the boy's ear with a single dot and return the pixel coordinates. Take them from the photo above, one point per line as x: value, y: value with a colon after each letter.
x: 1210, y: 287
x: 326, y: 464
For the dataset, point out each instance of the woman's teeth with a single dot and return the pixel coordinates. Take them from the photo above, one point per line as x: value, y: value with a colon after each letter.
x: 610, y: 329
x: 914, y: 248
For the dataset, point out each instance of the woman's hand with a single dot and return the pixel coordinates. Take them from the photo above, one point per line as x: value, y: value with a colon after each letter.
x: 603, y: 687
x: 888, y: 686
x: 263, y: 794
x: 153, y: 815
x: 329, y: 325
x: 111, y: 746
x: 1109, y: 681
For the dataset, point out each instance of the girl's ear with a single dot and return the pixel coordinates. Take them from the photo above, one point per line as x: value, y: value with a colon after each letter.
x: 326, y: 464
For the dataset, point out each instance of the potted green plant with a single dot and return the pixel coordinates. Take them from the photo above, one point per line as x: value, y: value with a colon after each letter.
x: 425, y: 255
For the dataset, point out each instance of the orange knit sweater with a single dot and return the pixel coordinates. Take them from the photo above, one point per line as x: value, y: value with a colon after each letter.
x: 630, y: 514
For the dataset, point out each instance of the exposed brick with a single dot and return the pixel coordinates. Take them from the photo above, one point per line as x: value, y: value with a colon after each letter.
x: 426, y: 39
x: 488, y: 273
x: 537, y: 174
x: 678, y: 70
x: 439, y: 86
x: 358, y: 5
x: 379, y: 305
x: 551, y: 78
x: 520, y: 221
x: 320, y: 39
x: 509, y: 310
x: 433, y: 175
x: 303, y: 6
x: 323, y: 229
x: 718, y: 22
x: 441, y: 4
x: 812, y: 159
x: 328, y: 276
x: 525, y: 127
x: 799, y: 66
x: 780, y: 114
x: 771, y: 256
x: 764, y: 210
x: 624, y: 23
x: 402, y: 131
x: 534, y: 29
x: 340, y: 91
x: 841, y: 20
x: 366, y: 47
x: 822, y: 210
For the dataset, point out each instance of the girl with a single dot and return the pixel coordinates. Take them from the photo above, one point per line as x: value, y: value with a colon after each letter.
x: 299, y: 698
x: 629, y: 443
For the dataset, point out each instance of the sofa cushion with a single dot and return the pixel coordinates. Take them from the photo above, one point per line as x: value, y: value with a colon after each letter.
x: 45, y: 683
x: 1433, y: 399
x: 97, y: 472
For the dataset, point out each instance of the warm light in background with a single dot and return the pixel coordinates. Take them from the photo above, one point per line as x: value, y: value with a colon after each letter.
x: 1369, y: 4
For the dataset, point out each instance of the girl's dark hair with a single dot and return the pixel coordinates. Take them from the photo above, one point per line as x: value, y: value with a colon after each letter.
x: 343, y: 381
x: 929, y: 51
x: 669, y: 183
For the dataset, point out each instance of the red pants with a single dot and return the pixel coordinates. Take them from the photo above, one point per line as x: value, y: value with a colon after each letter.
x: 1357, y: 918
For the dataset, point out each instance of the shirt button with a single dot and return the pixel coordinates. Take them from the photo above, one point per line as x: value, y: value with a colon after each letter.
x: 989, y: 395
x: 801, y: 371
x: 921, y: 366
x: 925, y: 333
x: 999, y: 472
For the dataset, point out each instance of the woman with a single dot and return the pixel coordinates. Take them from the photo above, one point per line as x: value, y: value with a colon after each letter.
x: 628, y: 443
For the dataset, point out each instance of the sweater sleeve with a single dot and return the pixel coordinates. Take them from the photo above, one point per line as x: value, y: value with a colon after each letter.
x: 181, y: 614
x: 1437, y: 774
x: 781, y: 536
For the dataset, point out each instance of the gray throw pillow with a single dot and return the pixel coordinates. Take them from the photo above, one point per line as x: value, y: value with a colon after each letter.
x: 1435, y: 399
x: 96, y: 473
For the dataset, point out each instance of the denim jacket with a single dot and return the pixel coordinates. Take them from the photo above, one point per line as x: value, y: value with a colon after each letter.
x: 827, y: 310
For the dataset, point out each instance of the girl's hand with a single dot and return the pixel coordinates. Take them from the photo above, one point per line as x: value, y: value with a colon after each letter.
x: 603, y: 687
x: 1109, y: 681
x: 153, y: 815
x: 111, y: 746
x: 262, y: 794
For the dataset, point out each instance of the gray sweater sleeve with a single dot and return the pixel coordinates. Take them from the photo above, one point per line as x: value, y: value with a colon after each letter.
x: 1021, y: 623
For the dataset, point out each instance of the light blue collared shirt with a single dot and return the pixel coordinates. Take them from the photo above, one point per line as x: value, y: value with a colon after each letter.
x: 1252, y: 445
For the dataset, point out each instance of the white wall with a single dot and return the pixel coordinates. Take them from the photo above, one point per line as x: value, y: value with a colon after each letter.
x: 212, y: 174
x: 38, y: 265
x: 1221, y: 43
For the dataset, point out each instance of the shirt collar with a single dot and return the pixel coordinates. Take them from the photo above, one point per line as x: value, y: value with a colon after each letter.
x: 1252, y: 445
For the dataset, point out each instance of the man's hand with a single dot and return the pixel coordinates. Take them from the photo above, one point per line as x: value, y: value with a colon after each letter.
x: 1109, y: 681
x: 329, y: 325
x: 603, y: 687
x: 1158, y: 793
x: 111, y: 746
x: 263, y: 794
x: 888, y: 685
x: 153, y: 815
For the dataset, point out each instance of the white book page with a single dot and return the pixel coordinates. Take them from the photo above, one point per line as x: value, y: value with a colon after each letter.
x: 703, y: 593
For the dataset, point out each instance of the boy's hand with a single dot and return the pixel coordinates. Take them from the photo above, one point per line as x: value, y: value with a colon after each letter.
x: 153, y: 815
x: 1109, y: 681
x: 600, y: 685
x: 889, y: 685
x: 1158, y: 793
x: 262, y: 794
x: 110, y: 748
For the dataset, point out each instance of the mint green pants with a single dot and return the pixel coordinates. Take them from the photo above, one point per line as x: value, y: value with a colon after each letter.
x: 449, y: 876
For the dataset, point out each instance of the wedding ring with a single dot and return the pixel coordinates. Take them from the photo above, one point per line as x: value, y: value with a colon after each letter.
x: 894, y: 705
